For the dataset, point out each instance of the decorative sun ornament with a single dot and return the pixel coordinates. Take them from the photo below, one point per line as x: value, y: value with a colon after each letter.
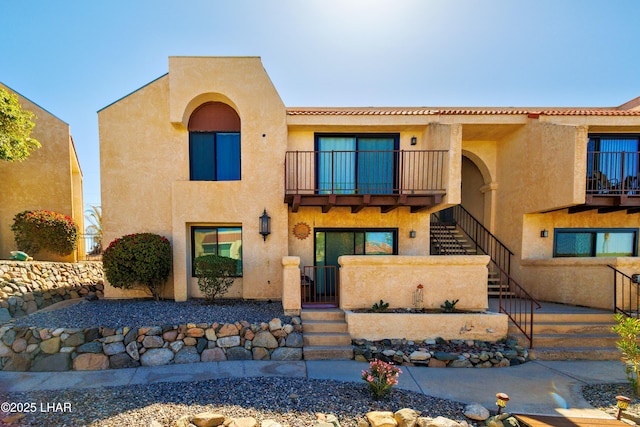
x: 301, y: 230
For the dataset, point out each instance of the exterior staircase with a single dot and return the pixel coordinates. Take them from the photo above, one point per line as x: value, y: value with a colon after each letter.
x: 325, y: 335
x: 572, y: 336
x: 451, y: 240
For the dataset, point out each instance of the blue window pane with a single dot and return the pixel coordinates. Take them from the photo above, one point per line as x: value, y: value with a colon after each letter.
x: 201, y: 156
x: 228, y: 156
x: 336, y: 165
x: 615, y: 244
x: 375, y: 165
x: 222, y: 241
x: 574, y: 244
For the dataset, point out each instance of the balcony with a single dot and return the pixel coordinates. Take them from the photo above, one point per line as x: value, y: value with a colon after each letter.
x: 358, y: 179
x: 613, y: 182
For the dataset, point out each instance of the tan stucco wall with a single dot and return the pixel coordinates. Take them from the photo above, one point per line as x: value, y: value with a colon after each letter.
x: 365, y: 280
x: 583, y: 281
x: 50, y: 179
x: 153, y: 192
x: 541, y: 167
x: 450, y: 326
x: 577, y: 281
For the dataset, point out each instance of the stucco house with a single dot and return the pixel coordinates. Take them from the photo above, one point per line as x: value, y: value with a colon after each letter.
x: 208, y: 154
x: 49, y: 179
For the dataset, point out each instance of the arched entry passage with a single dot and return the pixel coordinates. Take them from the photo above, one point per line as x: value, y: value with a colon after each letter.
x: 477, y: 189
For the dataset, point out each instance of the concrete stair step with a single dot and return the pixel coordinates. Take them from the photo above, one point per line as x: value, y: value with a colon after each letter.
x: 573, y: 353
x: 572, y: 328
x: 603, y: 317
x: 326, y: 339
x: 496, y: 293
x: 310, y: 326
x: 574, y: 340
x: 328, y: 352
x: 329, y: 315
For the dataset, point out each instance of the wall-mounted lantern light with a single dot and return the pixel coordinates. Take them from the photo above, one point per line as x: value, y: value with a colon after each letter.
x: 414, y: 140
x: 412, y: 234
x: 544, y: 233
x: 265, y: 225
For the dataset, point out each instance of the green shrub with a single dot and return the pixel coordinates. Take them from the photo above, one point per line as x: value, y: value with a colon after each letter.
x: 379, y: 307
x: 215, y: 274
x: 628, y: 329
x: 44, y: 230
x: 142, y: 259
x: 449, y: 306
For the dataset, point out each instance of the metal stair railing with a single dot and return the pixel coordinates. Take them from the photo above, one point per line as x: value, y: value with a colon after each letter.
x: 517, y: 304
x: 626, y: 294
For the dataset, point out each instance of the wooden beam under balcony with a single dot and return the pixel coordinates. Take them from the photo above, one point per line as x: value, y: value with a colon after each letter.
x: 609, y: 202
x: 357, y: 202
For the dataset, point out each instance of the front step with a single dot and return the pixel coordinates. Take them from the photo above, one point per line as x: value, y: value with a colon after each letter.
x: 325, y: 335
x: 572, y: 336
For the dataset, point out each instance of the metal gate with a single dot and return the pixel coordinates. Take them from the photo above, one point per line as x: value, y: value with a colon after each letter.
x: 319, y: 285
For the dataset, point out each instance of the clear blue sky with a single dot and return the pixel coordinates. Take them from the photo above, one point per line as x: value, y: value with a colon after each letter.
x: 74, y: 57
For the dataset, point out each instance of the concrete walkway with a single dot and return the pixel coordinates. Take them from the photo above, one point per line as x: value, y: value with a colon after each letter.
x: 536, y: 387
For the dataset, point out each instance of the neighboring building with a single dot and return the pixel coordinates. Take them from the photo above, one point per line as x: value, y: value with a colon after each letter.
x: 49, y: 179
x: 200, y: 153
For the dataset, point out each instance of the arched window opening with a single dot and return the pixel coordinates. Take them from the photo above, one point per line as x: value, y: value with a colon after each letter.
x: 214, y: 143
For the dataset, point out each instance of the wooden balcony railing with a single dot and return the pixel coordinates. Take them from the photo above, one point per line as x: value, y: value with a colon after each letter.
x: 357, y: 179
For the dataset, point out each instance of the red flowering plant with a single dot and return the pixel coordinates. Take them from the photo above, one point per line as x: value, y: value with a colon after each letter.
x: 44, y: 230
x: 141, y: 259
x: 381, y: 377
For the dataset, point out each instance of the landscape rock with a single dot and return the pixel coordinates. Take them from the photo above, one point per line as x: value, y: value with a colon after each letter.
x: 208, y: 419
x: 475, y: 411
x: 239, y: 353
x: 213, y: 355
x: 187, y: 355
x: 381, y: 419
x: 122, y: 360
x: 287, y: 353
x: 90, y: 362
x: 265, y: 339
x: 156, y: 357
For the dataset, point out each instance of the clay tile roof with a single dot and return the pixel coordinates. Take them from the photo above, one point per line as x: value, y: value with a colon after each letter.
x: 426, y: 111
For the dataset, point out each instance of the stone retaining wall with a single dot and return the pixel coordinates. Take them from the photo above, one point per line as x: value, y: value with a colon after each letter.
x: 26, y: 287
x: 43, y: 349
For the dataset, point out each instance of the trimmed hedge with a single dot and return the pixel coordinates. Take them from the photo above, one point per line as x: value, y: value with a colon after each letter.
x: 45, y: 230
x: 142, y: 259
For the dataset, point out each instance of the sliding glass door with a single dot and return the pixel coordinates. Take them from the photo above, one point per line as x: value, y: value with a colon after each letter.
x: 356, y: 164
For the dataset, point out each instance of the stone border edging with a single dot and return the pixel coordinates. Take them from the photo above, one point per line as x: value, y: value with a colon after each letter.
x: 29, y: 286
x: 45, y: 349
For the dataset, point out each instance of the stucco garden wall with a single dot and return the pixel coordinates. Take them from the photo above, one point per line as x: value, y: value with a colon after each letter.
x: 449, y: 326
x: 365, y: 280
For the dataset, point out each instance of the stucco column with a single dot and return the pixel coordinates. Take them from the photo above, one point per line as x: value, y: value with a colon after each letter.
x: 489, y: 192
x: 291, y: 298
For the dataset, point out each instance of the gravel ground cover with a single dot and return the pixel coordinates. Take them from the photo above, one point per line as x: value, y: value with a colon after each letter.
x: 288, y: 401
x: 603, y: 397
x: 120, y: 313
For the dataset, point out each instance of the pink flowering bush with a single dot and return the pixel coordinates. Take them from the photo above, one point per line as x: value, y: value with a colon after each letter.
x: 39, y: 230
x: 381, y: 377
x: 138, y: 259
